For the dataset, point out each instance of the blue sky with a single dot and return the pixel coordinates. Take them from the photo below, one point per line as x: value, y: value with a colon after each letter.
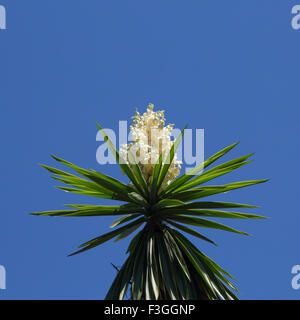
x: 229, y: 67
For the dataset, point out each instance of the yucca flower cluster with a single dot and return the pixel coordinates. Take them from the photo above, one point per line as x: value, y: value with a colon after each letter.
x: 151, y: 138
x: 161, y: 263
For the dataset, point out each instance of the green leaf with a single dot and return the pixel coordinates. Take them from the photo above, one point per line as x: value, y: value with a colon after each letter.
x: 213, y: 205
x: 213, y: 285
x: 140, y: 177
x: 87, y: 193
x: 180, y: 269
x: 90, y: 210
x: 122, y: 163
x: 172, y: 245
x: 166, y: 203
x: 113, y: 185
x: 54, y: 213
x: 114, y: 290
x: 189, y: 175
x: 139, y: 272
x: 190, y: 231
x: 196, y: 193
x: 230, y: 163
x: 199, y: 268
x: 135, y: 242
x: 108, y: 236
x: 154, y: 179
x: 168, y: 161
x: 210, y: 175
x: 165, y: 262
x: 201, y: 192
x: 208, y: 261
x: 138, y: 199
x: 211, y: 213
x: 202, y: 223
x: 59, y: 172
x: 88, y: 186
x: 119, y: 287
x: 210, y: 264
x: 76, y: 181
x: 130, y: 230
x: 124, y: 219
x: 151, y: 285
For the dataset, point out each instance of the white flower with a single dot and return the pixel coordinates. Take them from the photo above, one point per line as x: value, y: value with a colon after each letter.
x: 150, y: 139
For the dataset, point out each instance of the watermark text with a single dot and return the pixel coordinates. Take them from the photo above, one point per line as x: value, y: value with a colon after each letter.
x: 190, y: 150
x: 2, y: 278
x: 2, y: 17
x: 296, y: 18
x: 296, y: 279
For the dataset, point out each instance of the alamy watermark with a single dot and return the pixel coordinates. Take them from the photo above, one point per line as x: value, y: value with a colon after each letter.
x: 296, y: 18
x: 296, y: 279
x: 190, y: 150
x: 2, y: 278
x: 2, y: 17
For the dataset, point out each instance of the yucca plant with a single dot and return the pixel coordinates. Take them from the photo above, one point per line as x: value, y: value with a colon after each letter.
x: 162, y: 263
